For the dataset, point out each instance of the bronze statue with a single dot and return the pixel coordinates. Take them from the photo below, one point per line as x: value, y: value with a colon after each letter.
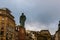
x: 22, y: 19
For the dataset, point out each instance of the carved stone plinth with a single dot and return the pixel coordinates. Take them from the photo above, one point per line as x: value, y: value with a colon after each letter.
x: 21, y: 33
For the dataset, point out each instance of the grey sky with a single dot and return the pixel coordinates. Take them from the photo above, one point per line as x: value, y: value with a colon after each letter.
x: 41, y: 14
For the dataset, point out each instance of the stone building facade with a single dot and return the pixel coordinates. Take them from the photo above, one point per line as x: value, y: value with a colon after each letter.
x: 44, y: 35
x: 7, y: 25
x: 31, y: 35
x: 16, y: 32
x: 38, y: 35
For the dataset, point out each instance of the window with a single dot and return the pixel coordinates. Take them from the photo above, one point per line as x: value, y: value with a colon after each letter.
x: 2, y: 19
x: 2, y: 32
x: 7, y: 36
x: 2, y: 23
x: 2, y: 28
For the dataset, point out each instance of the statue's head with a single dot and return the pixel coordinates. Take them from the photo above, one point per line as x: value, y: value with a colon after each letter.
x: 59, y: 22
x: 22, y: 13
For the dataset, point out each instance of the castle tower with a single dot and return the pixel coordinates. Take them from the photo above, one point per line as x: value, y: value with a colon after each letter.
x: 7, y: 24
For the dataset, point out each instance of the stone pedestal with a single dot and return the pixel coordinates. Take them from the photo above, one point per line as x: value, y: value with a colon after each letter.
x: 22, y: 33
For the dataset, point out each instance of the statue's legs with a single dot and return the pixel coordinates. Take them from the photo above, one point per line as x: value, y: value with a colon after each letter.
x: 22, y: 24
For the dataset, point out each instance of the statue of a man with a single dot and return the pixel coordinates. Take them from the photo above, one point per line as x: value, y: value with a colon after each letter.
x: 22, y: 19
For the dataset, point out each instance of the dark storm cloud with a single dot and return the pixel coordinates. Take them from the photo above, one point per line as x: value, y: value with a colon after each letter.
x: 46, y: 12
x: 48, y: 18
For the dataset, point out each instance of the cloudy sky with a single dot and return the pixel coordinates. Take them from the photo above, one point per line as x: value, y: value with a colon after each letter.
x: 41, y: 14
